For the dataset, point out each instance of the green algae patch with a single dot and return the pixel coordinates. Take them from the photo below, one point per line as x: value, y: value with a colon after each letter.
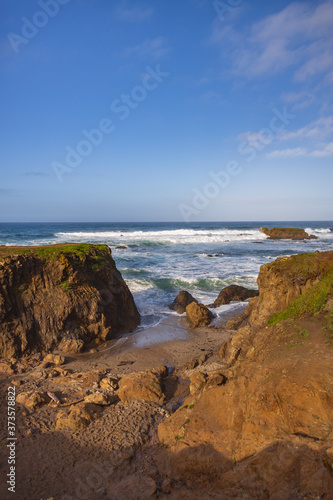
x: 80, y: 250
x: 77, y: 251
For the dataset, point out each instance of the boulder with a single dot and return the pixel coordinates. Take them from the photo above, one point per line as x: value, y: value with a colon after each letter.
x: 198, y: 315
x: 144, y: 385
x: 55, y: 359
x: 78, y: 418
x: 182, y: 300
x: 98, y: 399
x: 33, y: 399
x: 109, y: 384
x: 234, y: 293
x: 69, y: 294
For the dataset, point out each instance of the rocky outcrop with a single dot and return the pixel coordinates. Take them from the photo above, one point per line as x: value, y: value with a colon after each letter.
x: 68, y: 294
x: 143, y: 385
x: 198, y: 315
x: 234, y: 293
x: 300, y: 282
x: 267, y: 415
x: 182, y: 300
x: 287, y: 233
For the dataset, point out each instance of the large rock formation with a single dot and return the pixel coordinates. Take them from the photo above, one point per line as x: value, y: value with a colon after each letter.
x: 287, y: 233
x: 67, y: 294
x: 198, y: 315
x: 265, y: 430
x: 236, y: 293
x: 306, y: 277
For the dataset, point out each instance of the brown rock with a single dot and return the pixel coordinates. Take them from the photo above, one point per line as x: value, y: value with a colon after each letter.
x: 191, y: 364
x: 215, y: 378
x: 33, y: 399
x: 6, y: 368
x: 182, y: 300
x: 79, y: 417
x: 71, y: 344
x: 144, y: 385
x: 285, y: 280
x: 234, y: 293
x: 197, y: 381
x: 198, y: 315
x: 59, y: 293
x: 98, y: 399
x: 160, y: 371
x: 54, y: 359
x: 109, y: 384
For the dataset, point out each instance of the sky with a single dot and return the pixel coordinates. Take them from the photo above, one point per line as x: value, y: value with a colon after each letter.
x: 191, y: 110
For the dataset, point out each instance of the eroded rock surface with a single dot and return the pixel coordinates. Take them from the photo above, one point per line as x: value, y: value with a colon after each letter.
x: 61, y: 294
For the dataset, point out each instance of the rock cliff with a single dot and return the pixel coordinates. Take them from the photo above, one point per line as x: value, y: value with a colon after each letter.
x: 264, y: 430
x: 66, y: 295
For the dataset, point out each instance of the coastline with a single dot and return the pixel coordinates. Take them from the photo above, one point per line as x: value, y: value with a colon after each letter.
x: 168, y: 410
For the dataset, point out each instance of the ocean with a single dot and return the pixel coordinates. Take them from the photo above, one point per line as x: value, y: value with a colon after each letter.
x: 157, y: 260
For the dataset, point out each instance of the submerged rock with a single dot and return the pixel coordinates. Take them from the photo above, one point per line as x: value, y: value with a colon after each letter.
x: 67, y: 294
x: 182, y: 300
x: 234, y: 293
x: 287, y: 233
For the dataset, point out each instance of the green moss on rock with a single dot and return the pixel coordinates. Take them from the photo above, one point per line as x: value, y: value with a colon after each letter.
x: 311, y: 302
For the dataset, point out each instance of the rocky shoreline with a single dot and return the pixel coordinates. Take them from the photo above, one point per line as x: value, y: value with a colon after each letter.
x: 242, y: 412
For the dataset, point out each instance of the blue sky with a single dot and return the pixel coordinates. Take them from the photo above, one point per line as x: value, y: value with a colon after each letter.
x: 166, y: 111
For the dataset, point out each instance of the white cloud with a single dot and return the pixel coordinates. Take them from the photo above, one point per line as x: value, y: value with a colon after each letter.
x: 321, y: 153
x: 152, y: 48
x: 299, y: 100
x: 316, y: 130
x: 298, y: 36
x: 287, y: 153
x: 134, y: 14
x: 249, y: 137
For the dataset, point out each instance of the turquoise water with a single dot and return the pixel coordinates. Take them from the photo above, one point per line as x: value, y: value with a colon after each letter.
x: 160, y: 259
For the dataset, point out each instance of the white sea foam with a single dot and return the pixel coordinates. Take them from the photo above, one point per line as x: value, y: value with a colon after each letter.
x: 138, y: 285
x: 321, y: 233
x: 176, y: 236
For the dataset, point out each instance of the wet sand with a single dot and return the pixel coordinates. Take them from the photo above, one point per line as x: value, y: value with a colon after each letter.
x: 169, y: 343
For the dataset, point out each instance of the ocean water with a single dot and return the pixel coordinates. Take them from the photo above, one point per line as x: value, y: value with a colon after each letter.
x: 157, y: 260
